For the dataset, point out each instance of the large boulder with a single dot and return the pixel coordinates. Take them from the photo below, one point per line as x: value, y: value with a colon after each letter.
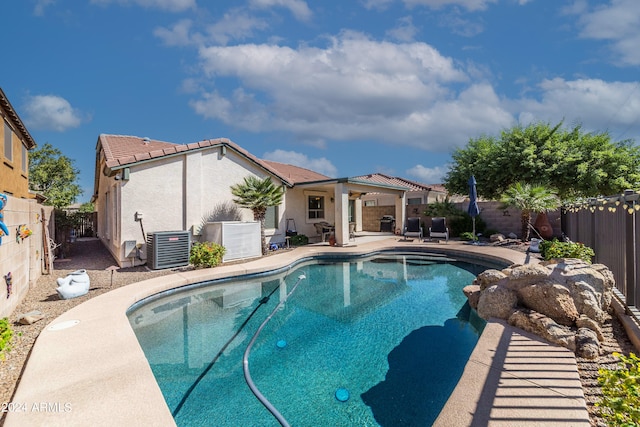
x: 553, y: 299
x: 488, y: 278
x: 496, y: 301
x: 544, y: 327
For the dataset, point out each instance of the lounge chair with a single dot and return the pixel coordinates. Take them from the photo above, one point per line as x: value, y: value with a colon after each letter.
x: 439, y: 228
x: 413, y: 228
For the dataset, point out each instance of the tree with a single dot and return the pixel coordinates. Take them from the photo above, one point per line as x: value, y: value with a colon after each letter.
x: 54, y: 176
x: 529, y: 198
x: 575, y: 163
x: 87, y: 208
x: 258, y: 194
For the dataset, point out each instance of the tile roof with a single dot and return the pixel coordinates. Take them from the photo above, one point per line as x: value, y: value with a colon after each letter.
x: 122, y: 150
x: 381, y: 178
x: 296, y: 174
x: 13, y: 116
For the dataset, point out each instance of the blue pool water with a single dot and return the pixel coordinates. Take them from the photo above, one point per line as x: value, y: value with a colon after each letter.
x: 379, y: 341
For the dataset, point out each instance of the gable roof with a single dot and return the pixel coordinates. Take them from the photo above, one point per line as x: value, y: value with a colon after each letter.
x: 15, y: 119
x: 296, y: 174
x: 380, y: 178
x: 121, y: 151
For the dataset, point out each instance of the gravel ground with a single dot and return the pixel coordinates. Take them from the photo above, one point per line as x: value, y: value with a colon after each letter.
x: 91, y: 255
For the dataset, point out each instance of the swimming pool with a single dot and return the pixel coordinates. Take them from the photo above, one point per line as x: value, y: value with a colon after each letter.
x: 369, y: 341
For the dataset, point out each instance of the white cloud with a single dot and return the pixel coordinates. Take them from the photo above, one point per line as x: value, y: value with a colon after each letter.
x: 298, y: 8
x: 597, y: 104
x: 321, y: 165
x: 168, y: 5
x: 50, y: 112
x: 376, y: 4
x: 236, y: 24
x: 354, y: 88
x: 177, y: 35
x: 617, y: 22
x: 40, y: 6
x: 471, y: 5
x: 405, y: 31
x: 434, y: 175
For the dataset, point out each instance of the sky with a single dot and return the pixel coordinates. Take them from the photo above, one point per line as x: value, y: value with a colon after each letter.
x: 344, y: 88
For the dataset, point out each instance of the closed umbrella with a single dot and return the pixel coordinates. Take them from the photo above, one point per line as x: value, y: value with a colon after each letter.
x: 473, y: 209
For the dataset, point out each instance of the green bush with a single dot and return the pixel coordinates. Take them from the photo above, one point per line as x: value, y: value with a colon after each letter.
x: 206, y: 254
x: 620, y: 403
x: 468, y: 235
x: 299, y: 240
x: 5, y: 336
x: 550, y: 249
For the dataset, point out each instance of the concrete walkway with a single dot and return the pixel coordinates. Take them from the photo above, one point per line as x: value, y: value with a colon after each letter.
x: 87, y: 368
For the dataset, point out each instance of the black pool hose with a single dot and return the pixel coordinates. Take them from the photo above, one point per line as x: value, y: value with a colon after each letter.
x: 262, y: 301
x: 245, y: 360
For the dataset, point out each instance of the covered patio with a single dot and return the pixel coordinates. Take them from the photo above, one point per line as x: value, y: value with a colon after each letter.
x: 339, y: 202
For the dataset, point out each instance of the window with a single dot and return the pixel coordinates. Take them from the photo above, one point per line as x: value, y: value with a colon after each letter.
x: 414, y: 201
x: 369, y: 202
x: 24, y: 159
x: 316, y: 207
x: 8, y: 142
x: 271, y: 217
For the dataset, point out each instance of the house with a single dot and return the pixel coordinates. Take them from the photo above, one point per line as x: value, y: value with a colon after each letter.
x: 144, y: 186
x: 16, y: 143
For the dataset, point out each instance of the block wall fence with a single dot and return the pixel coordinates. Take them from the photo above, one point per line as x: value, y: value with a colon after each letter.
x: 23, y: 258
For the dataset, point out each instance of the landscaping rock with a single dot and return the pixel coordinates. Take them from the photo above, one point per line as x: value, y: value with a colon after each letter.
x: 554, y: 299
x: 496, y: 301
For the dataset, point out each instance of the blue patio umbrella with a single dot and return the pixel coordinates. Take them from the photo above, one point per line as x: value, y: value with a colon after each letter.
x: 473, y: 209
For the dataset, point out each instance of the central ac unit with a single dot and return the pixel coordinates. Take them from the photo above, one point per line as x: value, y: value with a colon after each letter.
x: 168, y: 249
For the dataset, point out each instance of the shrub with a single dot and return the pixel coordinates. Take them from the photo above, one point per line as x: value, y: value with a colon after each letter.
x: 5, y: 336
x: 206, y: 254
x: 468, y: 235
x: 298, y: 240
x: 620, y: 404
x: 551, y: 249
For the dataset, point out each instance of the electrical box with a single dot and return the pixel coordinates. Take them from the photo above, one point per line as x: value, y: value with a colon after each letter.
x: 138, y: 216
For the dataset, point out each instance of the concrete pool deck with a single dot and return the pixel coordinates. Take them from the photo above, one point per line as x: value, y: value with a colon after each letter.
x: 87, y: 368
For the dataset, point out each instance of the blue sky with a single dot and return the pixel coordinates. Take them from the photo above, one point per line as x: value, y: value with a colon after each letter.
x: 341, y: 87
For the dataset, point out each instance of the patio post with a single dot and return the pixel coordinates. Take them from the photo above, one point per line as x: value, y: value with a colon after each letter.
x: 341, y: 195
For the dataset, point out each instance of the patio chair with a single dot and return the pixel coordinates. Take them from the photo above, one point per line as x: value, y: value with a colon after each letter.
x: 413, y: 228
x: 324, y: 229
x: 439, y: 228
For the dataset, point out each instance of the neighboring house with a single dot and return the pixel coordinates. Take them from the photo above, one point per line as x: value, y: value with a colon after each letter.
x: 144, y: 186
x: 417, y: 194
x: 16, y: 143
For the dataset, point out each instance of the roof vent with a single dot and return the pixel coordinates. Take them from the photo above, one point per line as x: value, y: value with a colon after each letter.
x: 145, y: 140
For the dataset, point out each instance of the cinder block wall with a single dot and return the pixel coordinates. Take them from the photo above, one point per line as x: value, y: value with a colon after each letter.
x: 23, y: 258
x: 503, y: 221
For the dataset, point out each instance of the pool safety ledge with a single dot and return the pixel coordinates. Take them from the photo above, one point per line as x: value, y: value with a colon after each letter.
x: 87, y: 367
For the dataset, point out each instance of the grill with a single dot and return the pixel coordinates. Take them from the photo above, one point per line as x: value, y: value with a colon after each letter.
x: 387, y: 223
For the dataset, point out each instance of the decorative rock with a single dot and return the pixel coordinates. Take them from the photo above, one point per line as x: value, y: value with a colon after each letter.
x: 526, y: 275
x: 488, y: 278
x: 544, y: 327
x: 587, y: 344
x: 30, y: 317
x: 496, y: 237
x: 472, y: 292
x: 496, y: 301
x: 512, y: 235
x: 584, y: 322
x: 552, y: 300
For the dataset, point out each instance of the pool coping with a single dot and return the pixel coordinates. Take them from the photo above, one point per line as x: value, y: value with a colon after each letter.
x: 87, y: 367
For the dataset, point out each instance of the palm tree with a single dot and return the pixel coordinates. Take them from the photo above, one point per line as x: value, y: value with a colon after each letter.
x: 258, y: 194
x: 529, y: 198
